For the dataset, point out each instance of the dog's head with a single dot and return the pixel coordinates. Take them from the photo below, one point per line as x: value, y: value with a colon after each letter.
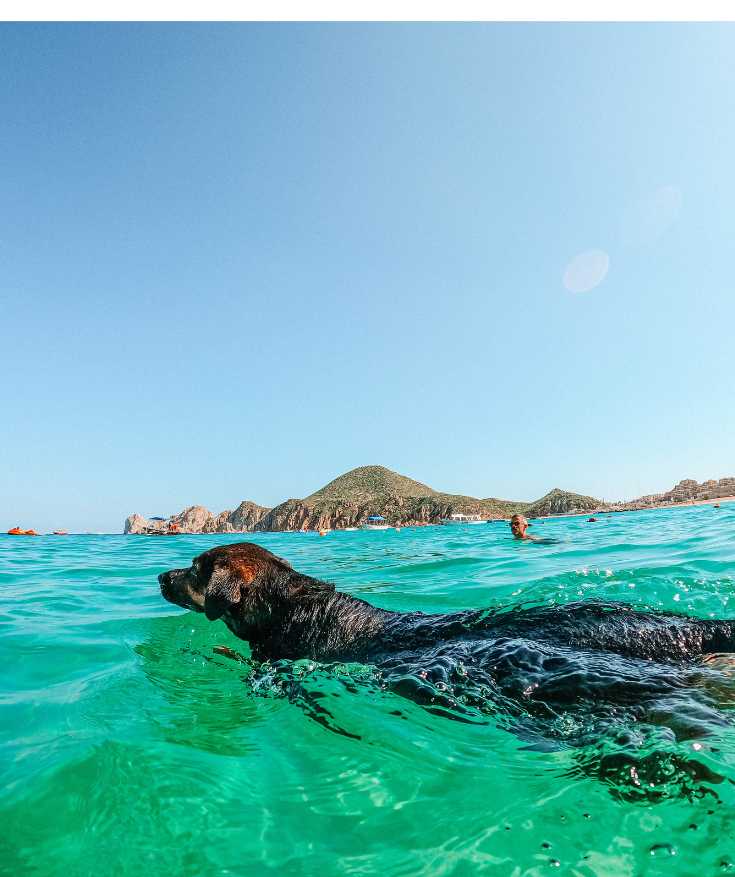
x: 227, y: 579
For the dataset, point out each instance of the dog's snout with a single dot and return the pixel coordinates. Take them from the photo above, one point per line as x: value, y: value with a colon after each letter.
x: 164, y: 578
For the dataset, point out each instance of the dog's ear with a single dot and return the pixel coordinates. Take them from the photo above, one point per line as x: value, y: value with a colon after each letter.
x: 224, y: 590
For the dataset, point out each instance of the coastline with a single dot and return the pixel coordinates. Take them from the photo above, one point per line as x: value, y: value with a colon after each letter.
x: 610, y: 511
x: 354, y: 498
x: 616, y: 510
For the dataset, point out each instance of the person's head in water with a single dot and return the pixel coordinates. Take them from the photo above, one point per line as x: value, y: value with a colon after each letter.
x: 518, y: 526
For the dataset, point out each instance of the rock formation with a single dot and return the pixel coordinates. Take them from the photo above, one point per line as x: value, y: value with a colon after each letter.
x: 350, y: 499
x: 347, y: 501
x: 246, y: 516
x: 197, y: 519
x: 135, y: 524
x: 562, y: 502
x: 687, y: 490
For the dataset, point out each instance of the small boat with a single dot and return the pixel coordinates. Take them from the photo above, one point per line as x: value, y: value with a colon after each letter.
x: 376, y: 522
x: 60, y: 533
x: 459, y: 518
x: 16, y: 531
x: 170, y: 529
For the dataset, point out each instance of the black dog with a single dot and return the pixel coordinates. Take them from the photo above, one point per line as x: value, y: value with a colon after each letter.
x: 605, y: 665
x: 284, y: 614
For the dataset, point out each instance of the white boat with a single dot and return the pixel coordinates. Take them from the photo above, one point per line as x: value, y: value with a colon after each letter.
x: 376, y: 522
x: 459, y: 518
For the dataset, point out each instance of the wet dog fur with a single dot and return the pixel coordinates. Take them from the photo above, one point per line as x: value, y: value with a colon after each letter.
x: 282, y: 613
x: 625, y: 689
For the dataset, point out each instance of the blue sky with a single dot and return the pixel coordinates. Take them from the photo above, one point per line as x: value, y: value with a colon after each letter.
x: 238, y: 260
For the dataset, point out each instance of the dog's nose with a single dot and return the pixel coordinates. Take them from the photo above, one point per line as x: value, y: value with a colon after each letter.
x: 164, y: 578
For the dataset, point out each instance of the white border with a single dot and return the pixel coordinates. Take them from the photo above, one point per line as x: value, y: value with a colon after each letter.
x: 362, y: 10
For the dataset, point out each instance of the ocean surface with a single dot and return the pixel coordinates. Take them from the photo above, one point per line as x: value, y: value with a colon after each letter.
x: 129, y: 746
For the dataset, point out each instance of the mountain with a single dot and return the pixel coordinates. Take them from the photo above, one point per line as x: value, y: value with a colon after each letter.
x: 370, y: 484
x: 562, y: 502
x: 349, y: 500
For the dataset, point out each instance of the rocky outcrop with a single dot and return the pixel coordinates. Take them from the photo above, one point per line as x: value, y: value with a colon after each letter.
x: 198, y: 519
x: 334, y: 514
x: 194, y: 519
x: 246, y: 516
x: 138, y: 524
x: 293, y: 514
x: 562, y: 502
x: 687, y: 490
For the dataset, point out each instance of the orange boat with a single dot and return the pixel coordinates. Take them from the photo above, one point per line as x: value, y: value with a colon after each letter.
x: 16, y: 531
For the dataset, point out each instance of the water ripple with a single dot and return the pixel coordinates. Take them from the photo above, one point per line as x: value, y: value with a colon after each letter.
x: 132, y: 733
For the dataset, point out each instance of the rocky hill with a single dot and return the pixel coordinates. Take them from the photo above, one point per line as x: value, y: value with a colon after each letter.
x: 349, y: 500
x: 562, y: 502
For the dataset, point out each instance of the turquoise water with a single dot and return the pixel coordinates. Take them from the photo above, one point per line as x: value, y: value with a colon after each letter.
x: 128, y: 746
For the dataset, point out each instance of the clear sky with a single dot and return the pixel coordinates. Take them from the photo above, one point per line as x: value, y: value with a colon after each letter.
x: 238, y: 260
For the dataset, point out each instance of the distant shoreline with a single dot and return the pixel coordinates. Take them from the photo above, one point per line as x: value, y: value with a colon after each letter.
x: 651, y: 508
x: 643, y: 508
x: 377, y: 493
x: 371, y: 493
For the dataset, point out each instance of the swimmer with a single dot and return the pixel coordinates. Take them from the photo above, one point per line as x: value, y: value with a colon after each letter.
x: 519, y: 527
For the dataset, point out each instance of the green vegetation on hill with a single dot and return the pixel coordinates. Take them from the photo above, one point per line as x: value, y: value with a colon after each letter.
x: 562, y: 502
x: 350, y: 499
x: 368, y: 484
x: 490, y: 508
x: 379, y: 487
